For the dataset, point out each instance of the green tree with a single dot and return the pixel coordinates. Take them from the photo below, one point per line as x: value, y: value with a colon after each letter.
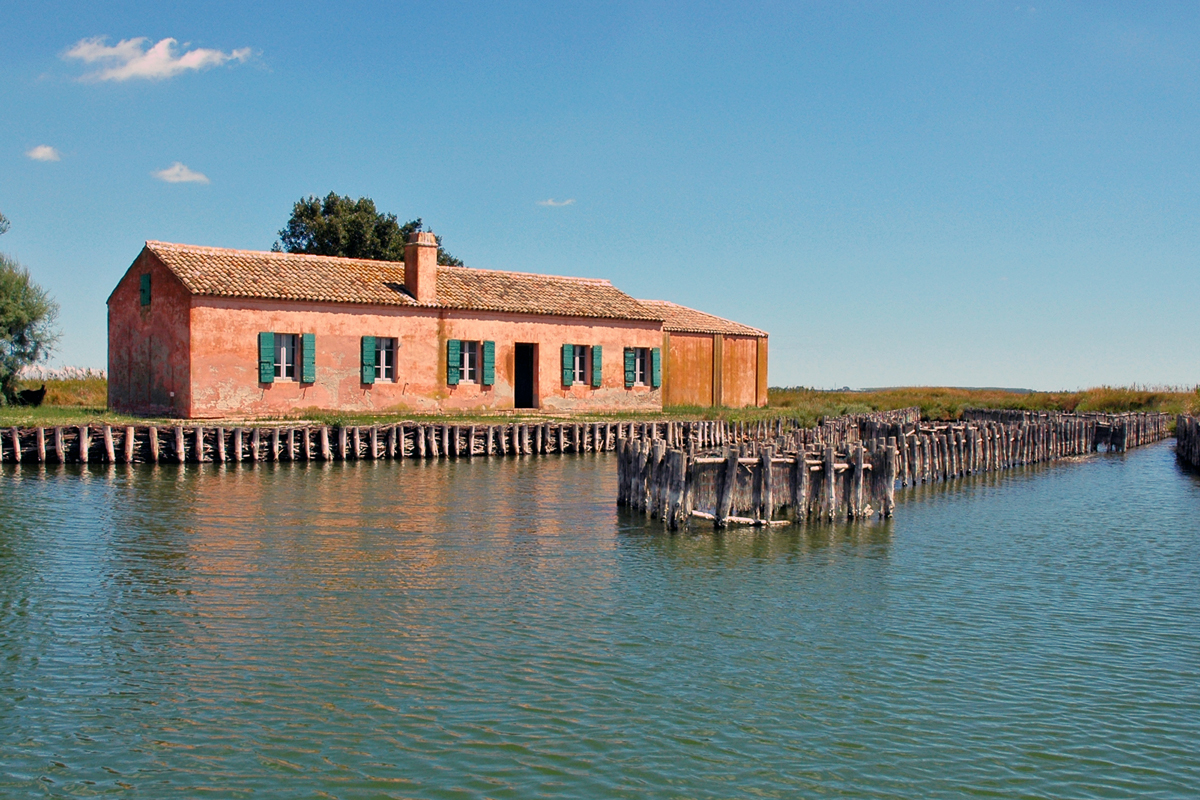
x: 339, y: 226
x: 3, y: 224
x: 27, y: 331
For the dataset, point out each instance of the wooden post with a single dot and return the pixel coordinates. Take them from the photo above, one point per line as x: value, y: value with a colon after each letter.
x: 728, y: 484
x: 768, y: 483
x: 152, y: 433
x: 889, y: 478
x: 856, y: 500
x: 199, y: 439
x: 220, y: 451
x: 85, y: 443
x: 237, y: 444
x: 110, y: 455
x: 255, y: 444
x: 130, y: 436
x: 15, y: 437
x: 829, y: 486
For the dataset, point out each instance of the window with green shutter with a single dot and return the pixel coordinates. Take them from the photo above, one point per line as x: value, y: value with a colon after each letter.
x: 568, y: 364
x: 308, y: 358
x: 489, y: 363
x: 630, y: 367
x: 145, y: 288
x: 266, y: 357
x: 656, y: 368
x: 368, y: 359
x: 597, y: 364
x: 453, y: 361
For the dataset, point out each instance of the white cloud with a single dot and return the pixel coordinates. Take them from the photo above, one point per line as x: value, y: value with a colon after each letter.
x: 43, y: 152
x: 178, y: 173
x: 556, y: 203
x: 128, y: 58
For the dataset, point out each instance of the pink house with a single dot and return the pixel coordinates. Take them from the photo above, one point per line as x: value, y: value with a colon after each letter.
x: 202, y: 332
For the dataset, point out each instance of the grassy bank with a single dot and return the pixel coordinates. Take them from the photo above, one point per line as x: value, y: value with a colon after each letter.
x: 73, y: 402
x: 948, y: 403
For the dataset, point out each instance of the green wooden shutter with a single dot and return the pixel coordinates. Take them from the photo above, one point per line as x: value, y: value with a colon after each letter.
x: 146, y: 289
x: 308, y: 358
x: 368, y: 359
x: 453, y: 361
x: 266, y: 357
x: 568, y: 364
x: 597, y: 364
x: 656, y: 368
x: 489, y: 363
x: 630, y: 367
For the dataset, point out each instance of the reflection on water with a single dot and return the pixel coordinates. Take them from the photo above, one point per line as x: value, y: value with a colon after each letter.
x: 499, y: 629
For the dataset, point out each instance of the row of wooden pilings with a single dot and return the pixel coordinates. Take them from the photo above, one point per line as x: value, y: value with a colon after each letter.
x: 853, y: 474
x: 1115, y: 432
x: 1187, y: 440
x: 199, y: 443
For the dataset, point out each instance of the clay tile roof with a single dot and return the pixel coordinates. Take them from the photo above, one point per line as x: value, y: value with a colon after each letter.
x: 216, y: 271
x: 688, y: 320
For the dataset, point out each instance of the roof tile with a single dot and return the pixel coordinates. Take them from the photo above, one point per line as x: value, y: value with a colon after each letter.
x: 220, y: 272
x: 688, y: 320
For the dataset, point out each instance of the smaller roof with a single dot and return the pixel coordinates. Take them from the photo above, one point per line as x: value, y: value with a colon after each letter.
x: 688, y: 320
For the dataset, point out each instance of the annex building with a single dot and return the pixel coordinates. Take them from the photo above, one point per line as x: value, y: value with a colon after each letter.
x: 205, y: 332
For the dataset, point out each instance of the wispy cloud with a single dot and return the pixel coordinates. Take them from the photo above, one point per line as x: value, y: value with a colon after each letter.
x: 43, y: 152
x: 178, y: 173
x: 552, y: 203
x: 129, y: 58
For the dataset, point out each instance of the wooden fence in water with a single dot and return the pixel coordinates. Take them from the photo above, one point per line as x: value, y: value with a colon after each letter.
x: 199, y: 443
x: 1187, y: 441
x: 850, y: 470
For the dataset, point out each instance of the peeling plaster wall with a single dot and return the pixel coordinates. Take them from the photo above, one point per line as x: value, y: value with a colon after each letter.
x: 148, y: 346
x: 224, y: 359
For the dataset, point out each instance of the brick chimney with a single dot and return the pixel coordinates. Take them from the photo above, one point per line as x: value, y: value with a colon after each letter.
x: 420, y: 266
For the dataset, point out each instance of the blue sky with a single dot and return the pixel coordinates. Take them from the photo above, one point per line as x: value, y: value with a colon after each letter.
x: 971, y: 194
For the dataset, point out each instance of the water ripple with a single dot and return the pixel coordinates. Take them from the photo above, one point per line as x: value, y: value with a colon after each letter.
x: 499, y: 629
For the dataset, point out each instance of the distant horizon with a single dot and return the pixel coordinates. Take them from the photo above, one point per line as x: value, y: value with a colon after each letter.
x: 897, y: 194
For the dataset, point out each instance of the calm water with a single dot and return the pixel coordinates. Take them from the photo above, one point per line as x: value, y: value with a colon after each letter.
x: 463, y: 630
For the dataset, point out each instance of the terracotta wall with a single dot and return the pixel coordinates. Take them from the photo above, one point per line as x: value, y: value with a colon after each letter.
x: 224, y: 359
x: 688, y: 377
x: 762, y: 372
x: 739, y: 371
x: 148, y: 346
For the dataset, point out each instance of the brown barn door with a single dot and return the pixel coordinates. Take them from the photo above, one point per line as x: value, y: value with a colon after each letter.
x: 523, y: 376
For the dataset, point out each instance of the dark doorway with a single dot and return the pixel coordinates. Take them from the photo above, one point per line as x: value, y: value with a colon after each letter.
x: 523, y: 372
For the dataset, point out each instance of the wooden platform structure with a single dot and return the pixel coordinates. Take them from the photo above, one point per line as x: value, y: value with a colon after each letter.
x: 1187, y: 441
x: 848, y: 468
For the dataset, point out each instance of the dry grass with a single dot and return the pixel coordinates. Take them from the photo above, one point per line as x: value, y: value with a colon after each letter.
x: 84, y: 400
x: 948, y: 403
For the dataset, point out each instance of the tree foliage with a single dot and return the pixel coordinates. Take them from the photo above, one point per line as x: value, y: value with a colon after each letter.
x: 27, y: 330
x: 339, y: 226
x: 3, y: 224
